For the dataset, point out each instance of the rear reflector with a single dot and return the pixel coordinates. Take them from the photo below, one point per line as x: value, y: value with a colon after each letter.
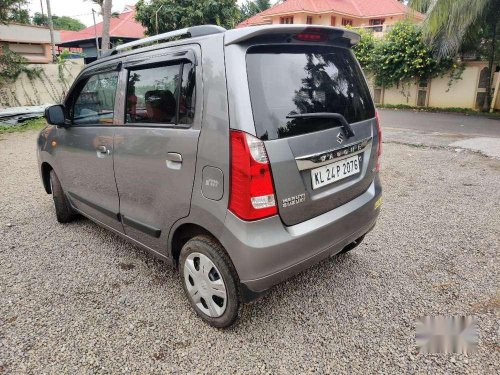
x: 252, y: 191
x: 379, y: 151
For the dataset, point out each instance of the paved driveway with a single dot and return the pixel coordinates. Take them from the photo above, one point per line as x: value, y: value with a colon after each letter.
x: 456, y: 131
x: 446, y: 123
x: 78, y: 299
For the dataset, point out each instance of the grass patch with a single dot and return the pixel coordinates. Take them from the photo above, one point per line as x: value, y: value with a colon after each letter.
x: 465, y: 111
x: 33, y: 124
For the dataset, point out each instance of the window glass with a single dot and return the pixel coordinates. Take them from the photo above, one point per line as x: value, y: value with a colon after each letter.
x: 287, y: 80
x: 152, y: 95
x: 96, y: 101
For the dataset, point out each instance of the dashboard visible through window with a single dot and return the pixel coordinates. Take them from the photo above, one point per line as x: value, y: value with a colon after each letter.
x: 96, y: 101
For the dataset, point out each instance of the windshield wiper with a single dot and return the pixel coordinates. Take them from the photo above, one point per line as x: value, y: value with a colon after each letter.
x: 337, y: 116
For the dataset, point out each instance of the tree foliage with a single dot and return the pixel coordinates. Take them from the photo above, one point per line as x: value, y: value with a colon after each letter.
x: 14, y: 11
x: 364, y: 49
x: 447, y: 22
x: 453, y: 26
x: 177, y: 14
x: 400, y: 56
x: 12, y: 65
x: 251, y: 7
x: 60, y: 23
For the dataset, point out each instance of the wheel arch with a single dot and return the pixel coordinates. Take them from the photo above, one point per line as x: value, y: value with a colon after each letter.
x: 45, y: 172
x: 183, y: 234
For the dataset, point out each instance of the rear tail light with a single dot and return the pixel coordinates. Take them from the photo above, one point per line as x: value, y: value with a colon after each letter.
x: 252, y: 194
x: 379, y: 151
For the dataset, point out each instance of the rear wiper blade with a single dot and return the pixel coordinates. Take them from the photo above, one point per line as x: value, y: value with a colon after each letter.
x: 337, y: 116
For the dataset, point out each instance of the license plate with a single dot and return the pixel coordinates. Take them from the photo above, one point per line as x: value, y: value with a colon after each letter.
x: 334, y: 172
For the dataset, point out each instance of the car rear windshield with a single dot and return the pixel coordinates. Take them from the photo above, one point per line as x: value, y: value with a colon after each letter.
x: 287, y: 80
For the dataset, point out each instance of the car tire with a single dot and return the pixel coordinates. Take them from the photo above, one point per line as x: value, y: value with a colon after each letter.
x: 352, y: 245
x: 64, y: 212
x: 210, y: 281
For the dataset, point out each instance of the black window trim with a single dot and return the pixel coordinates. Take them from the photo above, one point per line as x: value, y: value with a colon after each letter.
x: 155, y: 63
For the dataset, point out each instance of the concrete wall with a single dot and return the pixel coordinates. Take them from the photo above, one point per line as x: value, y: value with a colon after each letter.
x: 461, y: 93
x: 46, y: 89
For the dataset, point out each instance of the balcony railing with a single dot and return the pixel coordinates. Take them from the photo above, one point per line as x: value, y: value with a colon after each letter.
x: 375, y: 28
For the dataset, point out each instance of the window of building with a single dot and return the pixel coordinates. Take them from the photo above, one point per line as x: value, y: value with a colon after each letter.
x: 333, y: 21
x: 309, y: 20
x: 161, y: 95
x: 346, y: 22
x: 377, y: 24
x: 95, y: 103
x: 286, y: 20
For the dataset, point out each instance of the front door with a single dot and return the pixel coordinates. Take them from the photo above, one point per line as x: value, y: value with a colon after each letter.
x: 86, y: 148
x: 155, y: 147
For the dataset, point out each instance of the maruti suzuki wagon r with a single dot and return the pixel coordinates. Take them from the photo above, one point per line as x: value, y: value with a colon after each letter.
x: 240, y: 156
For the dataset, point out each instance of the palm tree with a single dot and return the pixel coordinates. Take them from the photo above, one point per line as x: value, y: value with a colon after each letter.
x: 449, y: 24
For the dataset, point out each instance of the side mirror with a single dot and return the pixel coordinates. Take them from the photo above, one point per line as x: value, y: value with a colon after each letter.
x: 55, y: 115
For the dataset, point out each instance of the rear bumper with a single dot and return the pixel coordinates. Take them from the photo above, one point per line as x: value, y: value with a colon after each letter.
x: 267, y: 252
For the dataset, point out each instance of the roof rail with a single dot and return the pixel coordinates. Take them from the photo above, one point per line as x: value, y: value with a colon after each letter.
x: 193, y: 31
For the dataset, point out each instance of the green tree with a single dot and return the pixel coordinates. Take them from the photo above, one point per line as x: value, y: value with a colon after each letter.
x: 60, y: 23
x: 14, y: 11
x: 177, y: 14
x: 450, y: 25
x: 251, y: 7
x: 403, y: 56
x: 365, y: 48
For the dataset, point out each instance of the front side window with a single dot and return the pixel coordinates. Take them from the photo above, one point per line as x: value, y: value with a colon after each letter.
x: 161, y: 95
x: 289, y: 80
x: 96, y: 101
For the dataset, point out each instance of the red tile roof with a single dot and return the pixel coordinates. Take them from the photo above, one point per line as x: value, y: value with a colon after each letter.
x: 124, y: 26
x: 355, y: 8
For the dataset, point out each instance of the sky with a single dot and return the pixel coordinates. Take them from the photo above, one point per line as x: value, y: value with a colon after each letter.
x: 79, y: 9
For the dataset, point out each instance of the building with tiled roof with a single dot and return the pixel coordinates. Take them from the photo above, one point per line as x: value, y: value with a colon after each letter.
x: 123, y: 28
x: 376, y: 15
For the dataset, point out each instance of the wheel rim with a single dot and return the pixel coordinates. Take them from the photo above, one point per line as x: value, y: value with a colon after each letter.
x: 205, y: 285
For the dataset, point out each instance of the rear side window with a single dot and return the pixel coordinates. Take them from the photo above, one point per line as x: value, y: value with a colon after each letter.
x: 287, y: 80
x: 161, y: 95
x: 96, y: 101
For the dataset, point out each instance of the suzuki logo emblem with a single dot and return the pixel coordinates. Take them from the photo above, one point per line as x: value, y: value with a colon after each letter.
x: 340, y: 137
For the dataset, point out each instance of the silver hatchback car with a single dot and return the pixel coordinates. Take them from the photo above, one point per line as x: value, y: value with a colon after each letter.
x: 241, y: 156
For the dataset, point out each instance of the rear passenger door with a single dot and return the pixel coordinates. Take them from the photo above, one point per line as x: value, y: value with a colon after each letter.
x: 156, y: 145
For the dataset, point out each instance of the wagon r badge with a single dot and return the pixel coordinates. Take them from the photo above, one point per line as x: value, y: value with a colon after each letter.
x: 340, y: 137
x: 287, y: 202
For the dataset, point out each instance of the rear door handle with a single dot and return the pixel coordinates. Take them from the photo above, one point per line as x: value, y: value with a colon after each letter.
x: 174, y: 160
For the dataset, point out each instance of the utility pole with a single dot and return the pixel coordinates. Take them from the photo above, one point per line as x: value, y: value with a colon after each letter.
x: 95, y: 33
x: 156, y: 17
x: 51, y: 28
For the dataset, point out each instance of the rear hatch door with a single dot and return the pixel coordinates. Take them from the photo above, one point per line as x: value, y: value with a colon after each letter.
x: 312, y: 108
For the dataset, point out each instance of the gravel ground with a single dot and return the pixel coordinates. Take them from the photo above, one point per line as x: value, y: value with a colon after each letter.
x: 78, y: 299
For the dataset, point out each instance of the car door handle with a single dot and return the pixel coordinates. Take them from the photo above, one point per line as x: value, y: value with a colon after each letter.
x: 102, y: 151
x: 174, y: 160
x: 174, y: 156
